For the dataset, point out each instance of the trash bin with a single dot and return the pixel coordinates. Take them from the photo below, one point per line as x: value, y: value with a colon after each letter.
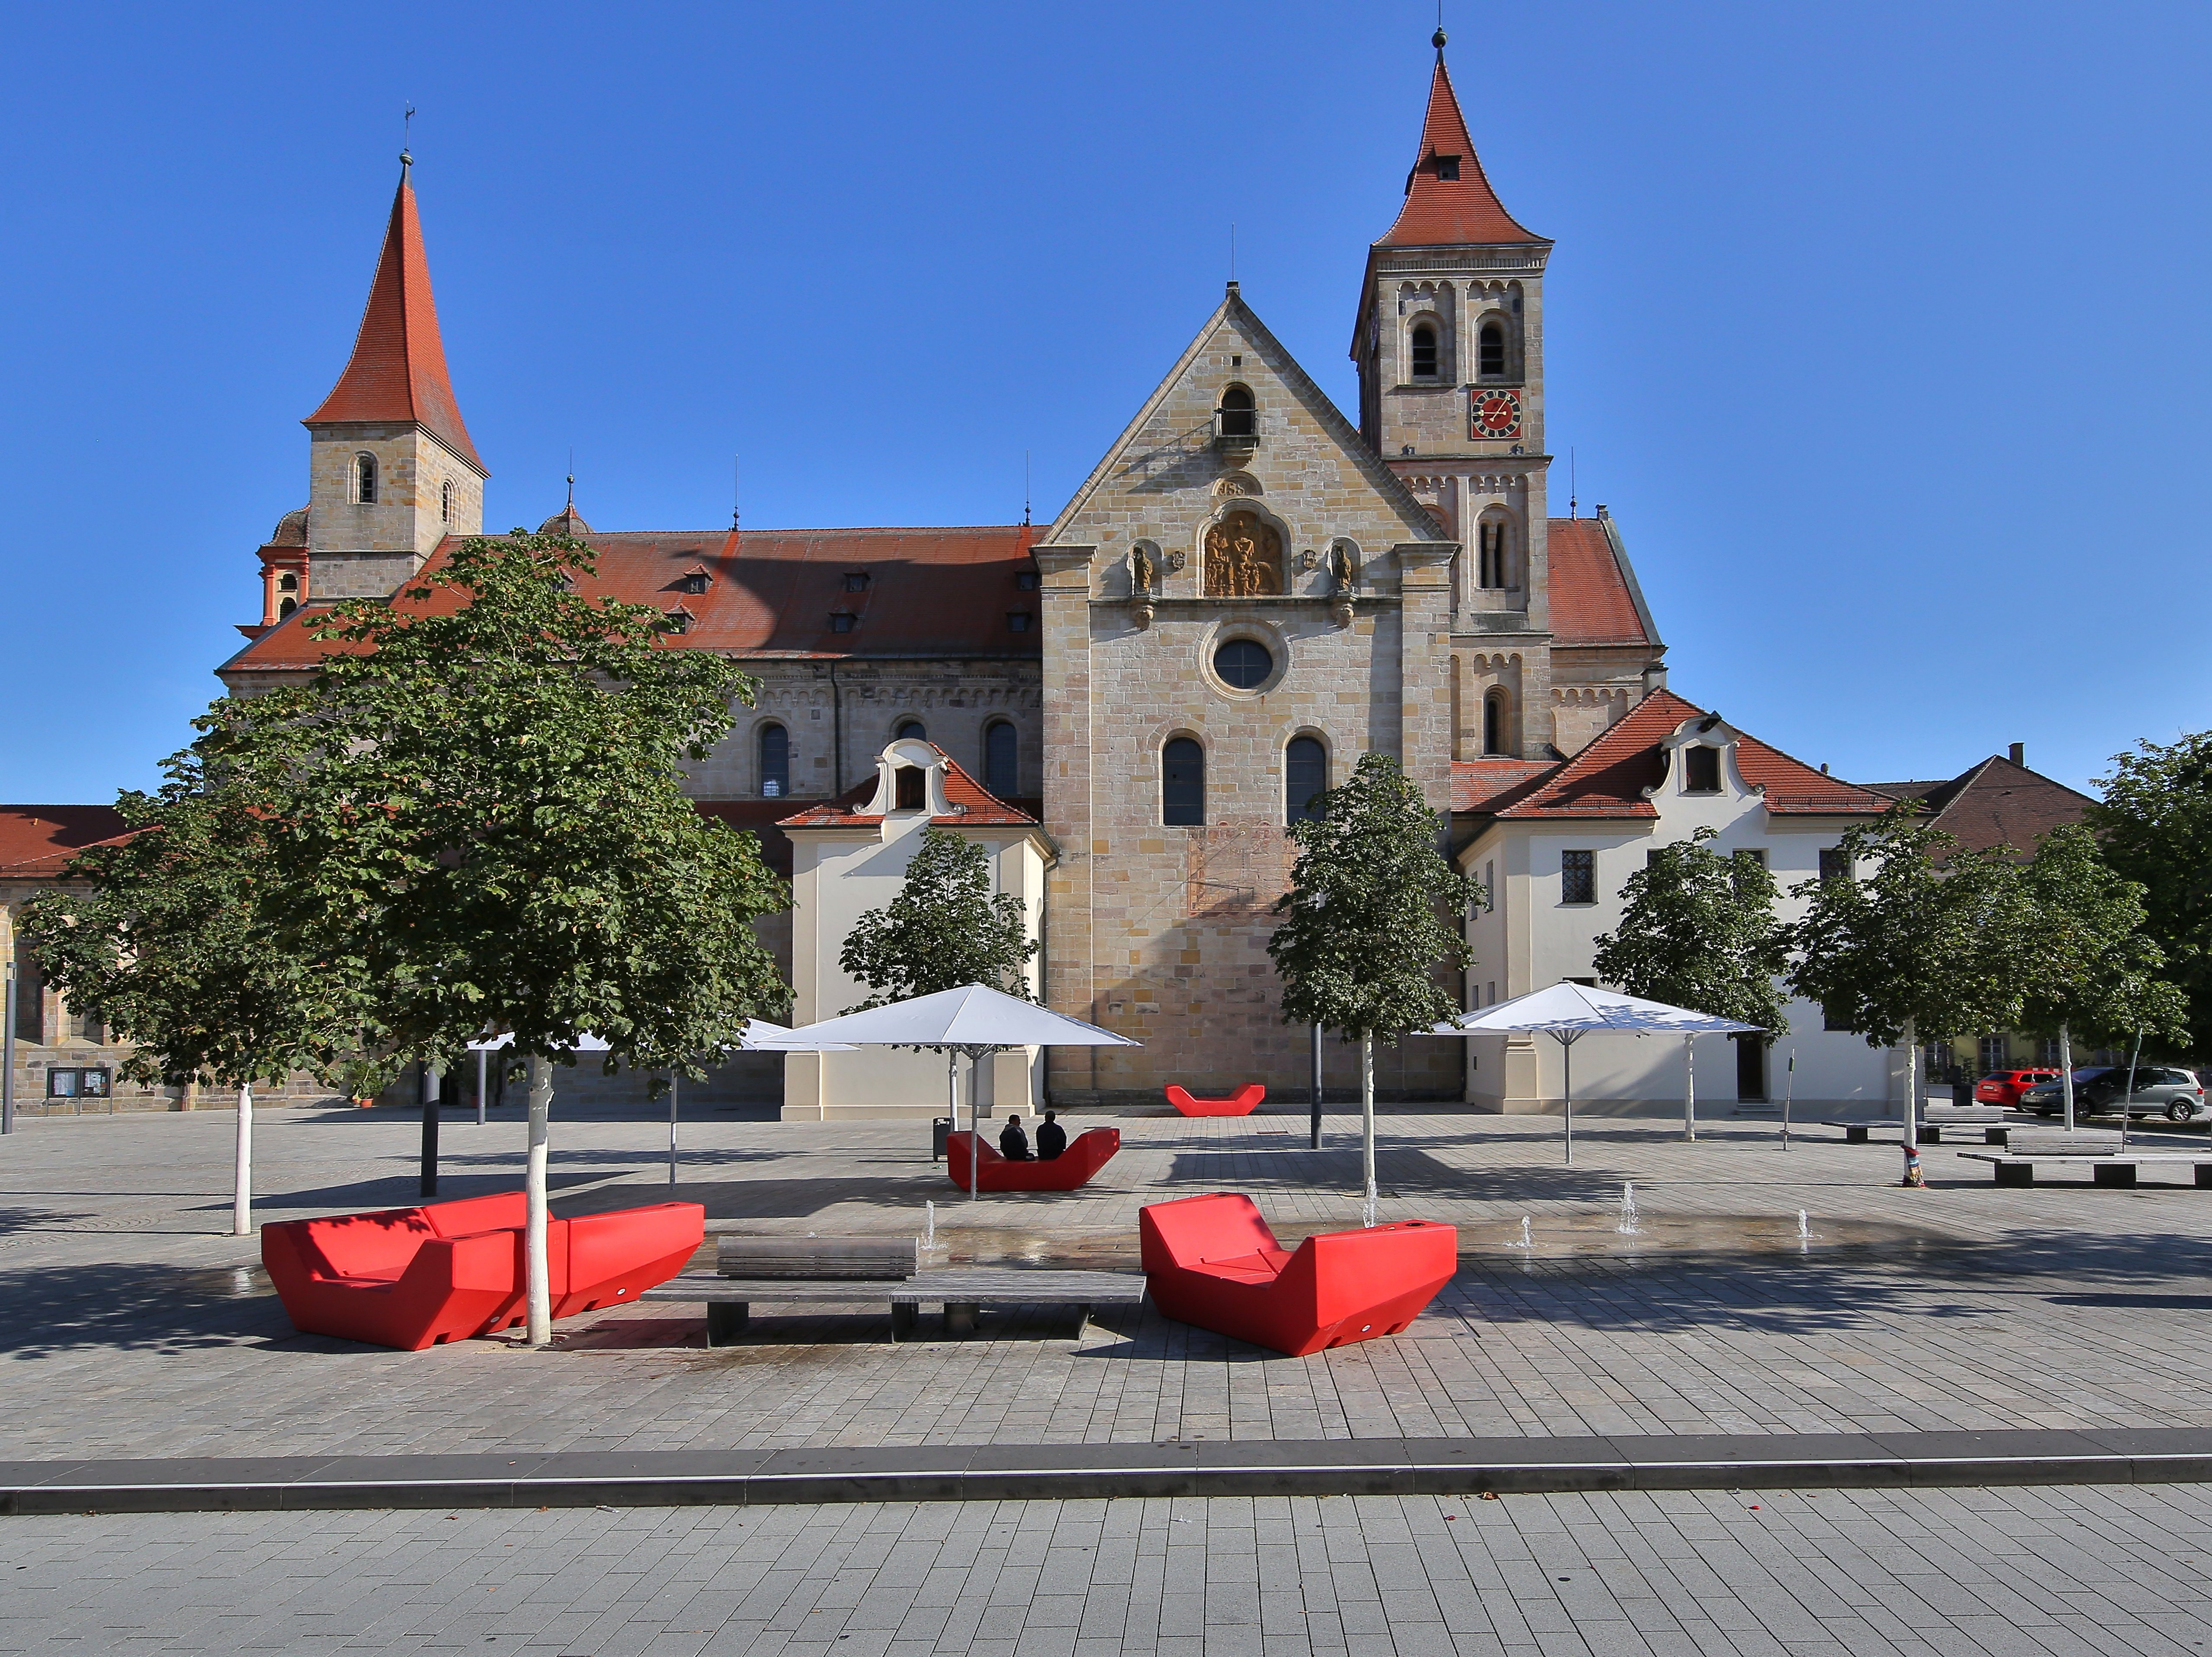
x: 939, y: 1127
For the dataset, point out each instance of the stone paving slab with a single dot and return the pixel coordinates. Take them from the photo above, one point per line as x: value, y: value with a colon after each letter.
x: 131, y: 1327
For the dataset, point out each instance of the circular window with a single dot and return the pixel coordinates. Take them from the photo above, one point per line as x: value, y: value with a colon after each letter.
x: 1243, y: 663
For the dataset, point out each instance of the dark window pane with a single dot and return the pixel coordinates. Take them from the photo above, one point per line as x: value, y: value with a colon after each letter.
x: 856, y: 581
x: 1238, y: 417
x: 911, y: 729
x: 1701, y: 770
x: 1425, y: 350
x: 1017, y: 620
x: 841, y: 622
x: 1494, y: 724
x: 1243, y: 663
x: 910, y: 788
x: 1182, y: 783
x: 1578, y: 877
x: 1001, y: 750
x: 1305, y: 774
x: 1492, y: 363
x: 1026, y: 580
x: 1835, y: 864
x: 775, y: 761
x: 1447, y: 169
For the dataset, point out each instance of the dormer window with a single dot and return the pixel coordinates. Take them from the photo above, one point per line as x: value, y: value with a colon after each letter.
x: 679, y: 620
x: 1425, y: 350
x: 1026, y: 580
x: 1238, y: 415
x: 1017, y: 620
x: 1701, y: 769
x: 1490, y: 350
x: 364, y: 479
x: 841, y: 621
x: 695, y: 580
x: 910, y: 788
x: 856, y: 581
x: 1447, y: 169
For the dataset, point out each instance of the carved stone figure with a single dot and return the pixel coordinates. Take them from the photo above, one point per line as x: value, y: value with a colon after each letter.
x: 1340, y: 567
x: 1140, y: 571
x: 1243, y: 557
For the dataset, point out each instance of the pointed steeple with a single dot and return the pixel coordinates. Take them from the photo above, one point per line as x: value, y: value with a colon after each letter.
x: 1448, y: 201
x: 398, y: 370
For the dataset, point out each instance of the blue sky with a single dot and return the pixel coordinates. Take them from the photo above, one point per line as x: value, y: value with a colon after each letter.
x: 1879, y: 326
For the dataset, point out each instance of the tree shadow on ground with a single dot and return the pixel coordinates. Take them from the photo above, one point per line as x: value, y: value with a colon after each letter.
x: 1401, y: 1171
x: 38, y: 1219
x: 129, y: 1307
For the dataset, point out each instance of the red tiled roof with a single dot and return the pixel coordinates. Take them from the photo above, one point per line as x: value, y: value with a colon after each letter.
x: 1608, y: 778
x: 398, y: 370
x: 1486, y: 785
x: 1996, y: 803
x: 1591, y: 603
x: 984, y: 810
x: 1449, y: 212
x: 929, y: 592
x: 37, y: 841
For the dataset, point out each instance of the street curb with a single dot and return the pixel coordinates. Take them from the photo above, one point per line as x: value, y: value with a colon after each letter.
x: 995, y: 1473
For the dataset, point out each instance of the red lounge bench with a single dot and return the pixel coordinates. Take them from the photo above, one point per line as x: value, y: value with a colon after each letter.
x: 1085, y: 1155
x: 1239, y: 1103
x: 1212, y: 1261
x: 412, y: 1277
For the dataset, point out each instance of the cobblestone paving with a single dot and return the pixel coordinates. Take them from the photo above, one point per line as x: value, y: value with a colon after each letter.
x: 2070, y: 1571
x: 130, y: 1324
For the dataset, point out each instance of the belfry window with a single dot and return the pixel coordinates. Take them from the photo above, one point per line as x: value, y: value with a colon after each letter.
x: 1239, y: 417
x: 775, y: 762
x: 446, y: 502
x: 1425, y: 350
x: 1001, y: 751
x: 1490, y: 552
x: 1490, y: 351
x: 1493, y: 723
x: 364, y: 479
x: 1305, y: 775
x: 1182, y: 783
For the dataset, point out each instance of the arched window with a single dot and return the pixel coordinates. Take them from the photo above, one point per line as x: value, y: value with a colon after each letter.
x: 1491, y: 541
x: 1305, y: 775
x: 909, y: 788
x: 364, y: 479
x: 1239, y: 417
x: 446, y: 502
x: 1490, y: 350
x: 1001, y: 749
x: 775, y: 762
x: 1182, y: 783
x: 286, y: 608
x: 1493, y: 723
x: 1425, y: 350
x: 910, y: 730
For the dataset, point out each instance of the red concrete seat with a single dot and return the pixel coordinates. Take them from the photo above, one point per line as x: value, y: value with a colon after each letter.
x: 1085, y: 1155
x: 1212, y: 1261
x: 412, y: 1277
x: 1239, y: 1103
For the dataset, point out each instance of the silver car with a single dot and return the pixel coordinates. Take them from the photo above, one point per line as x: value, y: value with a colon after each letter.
x: 2165, y: 1090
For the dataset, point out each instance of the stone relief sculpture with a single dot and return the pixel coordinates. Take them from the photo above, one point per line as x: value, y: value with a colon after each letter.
x: 1140, y: 571
x: 1243, y: 557
x: 1340, y: 567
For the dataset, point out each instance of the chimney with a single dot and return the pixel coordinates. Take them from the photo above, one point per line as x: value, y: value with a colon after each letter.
x: 2020, y: 755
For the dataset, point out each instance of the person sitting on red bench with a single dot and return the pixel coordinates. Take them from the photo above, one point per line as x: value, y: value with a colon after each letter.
x: 1013, y: 1144
x: 1052, y: 1138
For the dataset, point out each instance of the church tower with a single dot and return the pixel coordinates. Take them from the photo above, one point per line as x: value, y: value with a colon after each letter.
x: 392, y: 468
x: 1450, y: 345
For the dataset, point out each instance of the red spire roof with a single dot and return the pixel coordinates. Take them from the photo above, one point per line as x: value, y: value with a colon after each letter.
x: 1448, y: 206
x: 398, y: 372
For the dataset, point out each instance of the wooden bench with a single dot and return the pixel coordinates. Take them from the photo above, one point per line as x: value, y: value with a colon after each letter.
x: 2097, y: 1150
x: 877, y: 1272
x: 1992, y: 1122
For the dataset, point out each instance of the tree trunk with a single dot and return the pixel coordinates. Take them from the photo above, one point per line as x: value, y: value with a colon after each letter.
x: 1689, y: 1087
x: 540, y: 1296
x: 241, y: 1177
x: 1911, y: 1087
x: 1367, y: 1121
x: 2128, y: 1100
x: 672, y: 1079
x: 2066, y: 1070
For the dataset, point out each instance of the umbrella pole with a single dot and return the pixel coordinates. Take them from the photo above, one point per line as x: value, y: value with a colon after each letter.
x: 483, y: 1064
x: 1567, y: 1069
x: 974, y: 1131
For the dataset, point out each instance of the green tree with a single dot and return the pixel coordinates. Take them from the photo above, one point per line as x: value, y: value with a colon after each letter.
x: 1369, y: 923
x: 1934, y: 944
x: 477, y: 816
x: 179, y: 944
x: 945, y: 929
x: 2095, y: 969
x: 1698, y: 930
x: 2154, y: 825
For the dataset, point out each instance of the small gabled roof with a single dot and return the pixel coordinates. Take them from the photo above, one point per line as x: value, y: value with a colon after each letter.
x: 1995, y: 803
x: 1608, y: 778
x: 38, y: 841
x: 398, y: 370
x: 1593, y: 592
x: 983, y: 809
x: 1442, y: 211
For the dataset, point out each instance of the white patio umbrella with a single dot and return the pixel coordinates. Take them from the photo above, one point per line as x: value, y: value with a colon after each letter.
x: 1570, y: 1011
x: 973, y: 1019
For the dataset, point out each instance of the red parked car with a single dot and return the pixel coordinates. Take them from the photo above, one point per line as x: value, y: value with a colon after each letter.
x: 2004, y: 1087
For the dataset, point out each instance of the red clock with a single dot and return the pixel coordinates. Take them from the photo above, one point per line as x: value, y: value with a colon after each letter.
x: 1493, y: 411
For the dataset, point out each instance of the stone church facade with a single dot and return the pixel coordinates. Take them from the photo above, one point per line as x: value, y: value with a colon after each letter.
x: 1249, y: 591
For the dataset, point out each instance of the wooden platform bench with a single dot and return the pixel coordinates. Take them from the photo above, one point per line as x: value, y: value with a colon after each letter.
x: 1993, y: 1125
x: 2097, y: 1150
x: 878, y: 1271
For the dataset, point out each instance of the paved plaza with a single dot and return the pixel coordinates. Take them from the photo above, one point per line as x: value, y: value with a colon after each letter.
x: 133, y: 1326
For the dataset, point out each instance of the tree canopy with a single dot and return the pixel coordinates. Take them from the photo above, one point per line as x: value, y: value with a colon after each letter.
x: 2096, y: 974
x: 1698, y: 930
x: 2154, y: 825
x: 945, y: 928
x: 1370, y: 917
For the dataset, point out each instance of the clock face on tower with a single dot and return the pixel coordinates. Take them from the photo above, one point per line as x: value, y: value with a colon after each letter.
x: 1493, y: 411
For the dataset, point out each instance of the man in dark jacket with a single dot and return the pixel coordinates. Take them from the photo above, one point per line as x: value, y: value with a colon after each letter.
x: 1013, y: 1144
x: 1052, y: 1138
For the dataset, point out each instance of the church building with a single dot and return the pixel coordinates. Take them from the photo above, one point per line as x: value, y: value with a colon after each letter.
x: 1129, y: 704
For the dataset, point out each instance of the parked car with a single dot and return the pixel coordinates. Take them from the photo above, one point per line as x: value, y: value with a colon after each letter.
x: 2160, y: 1090
x: 2004, y: 1087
